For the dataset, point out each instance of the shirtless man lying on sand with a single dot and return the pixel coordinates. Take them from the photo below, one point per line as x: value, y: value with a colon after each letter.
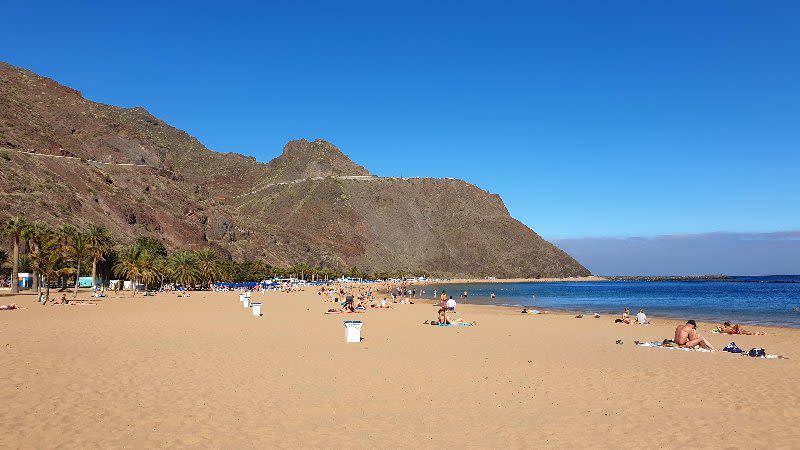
x: 686, y: 336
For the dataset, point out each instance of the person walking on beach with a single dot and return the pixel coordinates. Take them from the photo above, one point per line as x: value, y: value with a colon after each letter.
x: 686, y: 336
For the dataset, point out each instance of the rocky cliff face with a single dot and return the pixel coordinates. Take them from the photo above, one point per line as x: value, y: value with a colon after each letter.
x: 67, y: 159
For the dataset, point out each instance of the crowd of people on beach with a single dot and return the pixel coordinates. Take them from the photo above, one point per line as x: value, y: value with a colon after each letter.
x: 357, y: 299
x: 360, y: 297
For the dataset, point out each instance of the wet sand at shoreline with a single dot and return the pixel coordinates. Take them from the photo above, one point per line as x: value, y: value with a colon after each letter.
x: 203, y: 372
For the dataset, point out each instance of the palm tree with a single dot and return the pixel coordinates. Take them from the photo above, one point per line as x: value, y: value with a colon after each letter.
x: 209, y: 266
x: 137, y: 264
x: 3, y: 258
x: 36, y: 233
x: 150, y: 266
x: 65, y: 233
x: 100, y: 241
x: 79, y: 250
x: 15, y: 228
x: 160, y: 269
x: 300, y: 270
x: 131, y: 264
x: 47, y: 259
x: 183, y: 267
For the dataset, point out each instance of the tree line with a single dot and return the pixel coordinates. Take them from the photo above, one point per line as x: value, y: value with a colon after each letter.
x: 58, y: 254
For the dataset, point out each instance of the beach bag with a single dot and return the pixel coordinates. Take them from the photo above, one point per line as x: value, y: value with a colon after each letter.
x: 733, y: 348
x: 757, y: 353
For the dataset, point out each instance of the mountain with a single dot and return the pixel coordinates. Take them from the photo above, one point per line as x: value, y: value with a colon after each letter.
x: 64, y: 158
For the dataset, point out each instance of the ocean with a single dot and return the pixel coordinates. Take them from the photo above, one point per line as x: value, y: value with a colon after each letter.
x: 767, y: 300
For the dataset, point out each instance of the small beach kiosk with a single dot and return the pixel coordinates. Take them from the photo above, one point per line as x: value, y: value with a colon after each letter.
x: 25, y: 280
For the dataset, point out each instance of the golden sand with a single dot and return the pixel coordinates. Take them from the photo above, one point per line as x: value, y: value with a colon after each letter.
x: 203, y: 372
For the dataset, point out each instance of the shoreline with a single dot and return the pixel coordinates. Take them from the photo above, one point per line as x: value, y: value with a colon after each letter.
x: 701, y: 324
x: 664, y: 317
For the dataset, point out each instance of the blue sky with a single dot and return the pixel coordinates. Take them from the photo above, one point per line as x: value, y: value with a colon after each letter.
x: 590, y: 119
x: 690, y: 254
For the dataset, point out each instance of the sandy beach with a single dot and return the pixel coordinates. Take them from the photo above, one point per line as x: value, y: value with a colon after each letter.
x: 204, y: 372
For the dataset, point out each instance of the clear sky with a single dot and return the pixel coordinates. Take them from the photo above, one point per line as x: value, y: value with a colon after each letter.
x: 590, y: 119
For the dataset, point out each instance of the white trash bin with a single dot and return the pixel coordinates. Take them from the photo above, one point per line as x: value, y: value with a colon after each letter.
x: 245, y: 302
x: 241, y: 297
x: 247, y: 294
x: 256, y: 308
x: 352, y: 330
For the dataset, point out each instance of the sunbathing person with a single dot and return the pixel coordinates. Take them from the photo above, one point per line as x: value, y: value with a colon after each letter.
x: 61, y: 301
x: 626, y: 316
x: 641, y: 318
x: 9, y: 307
x: 459, y: 321
x: 686, y: 336
x: 734, y: 329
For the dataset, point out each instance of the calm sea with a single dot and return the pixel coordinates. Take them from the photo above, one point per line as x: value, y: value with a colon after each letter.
x: 752, y: 300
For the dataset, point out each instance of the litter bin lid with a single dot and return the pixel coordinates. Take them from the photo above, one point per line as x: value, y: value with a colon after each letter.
x: 354, y: 322
x: 255, y: 303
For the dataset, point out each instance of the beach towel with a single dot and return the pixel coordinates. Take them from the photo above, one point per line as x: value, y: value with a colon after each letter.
x: 659, y: 344
x: 455, y: 324
x: 756, y: 352
x: 761, y: 353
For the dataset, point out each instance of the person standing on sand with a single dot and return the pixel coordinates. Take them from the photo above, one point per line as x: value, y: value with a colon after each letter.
x: 686, y: 336
x: 443, y: 297
x: 443, y: 309
x: 349, y: 302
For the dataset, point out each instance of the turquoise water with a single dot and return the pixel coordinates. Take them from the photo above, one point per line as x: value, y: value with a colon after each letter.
x: 750, y: 300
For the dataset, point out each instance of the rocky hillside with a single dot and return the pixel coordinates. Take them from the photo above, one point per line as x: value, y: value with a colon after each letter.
x: 64, y: 158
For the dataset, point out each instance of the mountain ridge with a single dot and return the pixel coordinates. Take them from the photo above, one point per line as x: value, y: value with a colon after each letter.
x: 309, y: 204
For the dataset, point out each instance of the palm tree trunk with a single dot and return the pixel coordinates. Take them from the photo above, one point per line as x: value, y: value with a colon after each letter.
x: 94, y: 273
x: 35, y: 285
x: 77, y: 280
x: 135, y: 282
x: 15, y: 268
